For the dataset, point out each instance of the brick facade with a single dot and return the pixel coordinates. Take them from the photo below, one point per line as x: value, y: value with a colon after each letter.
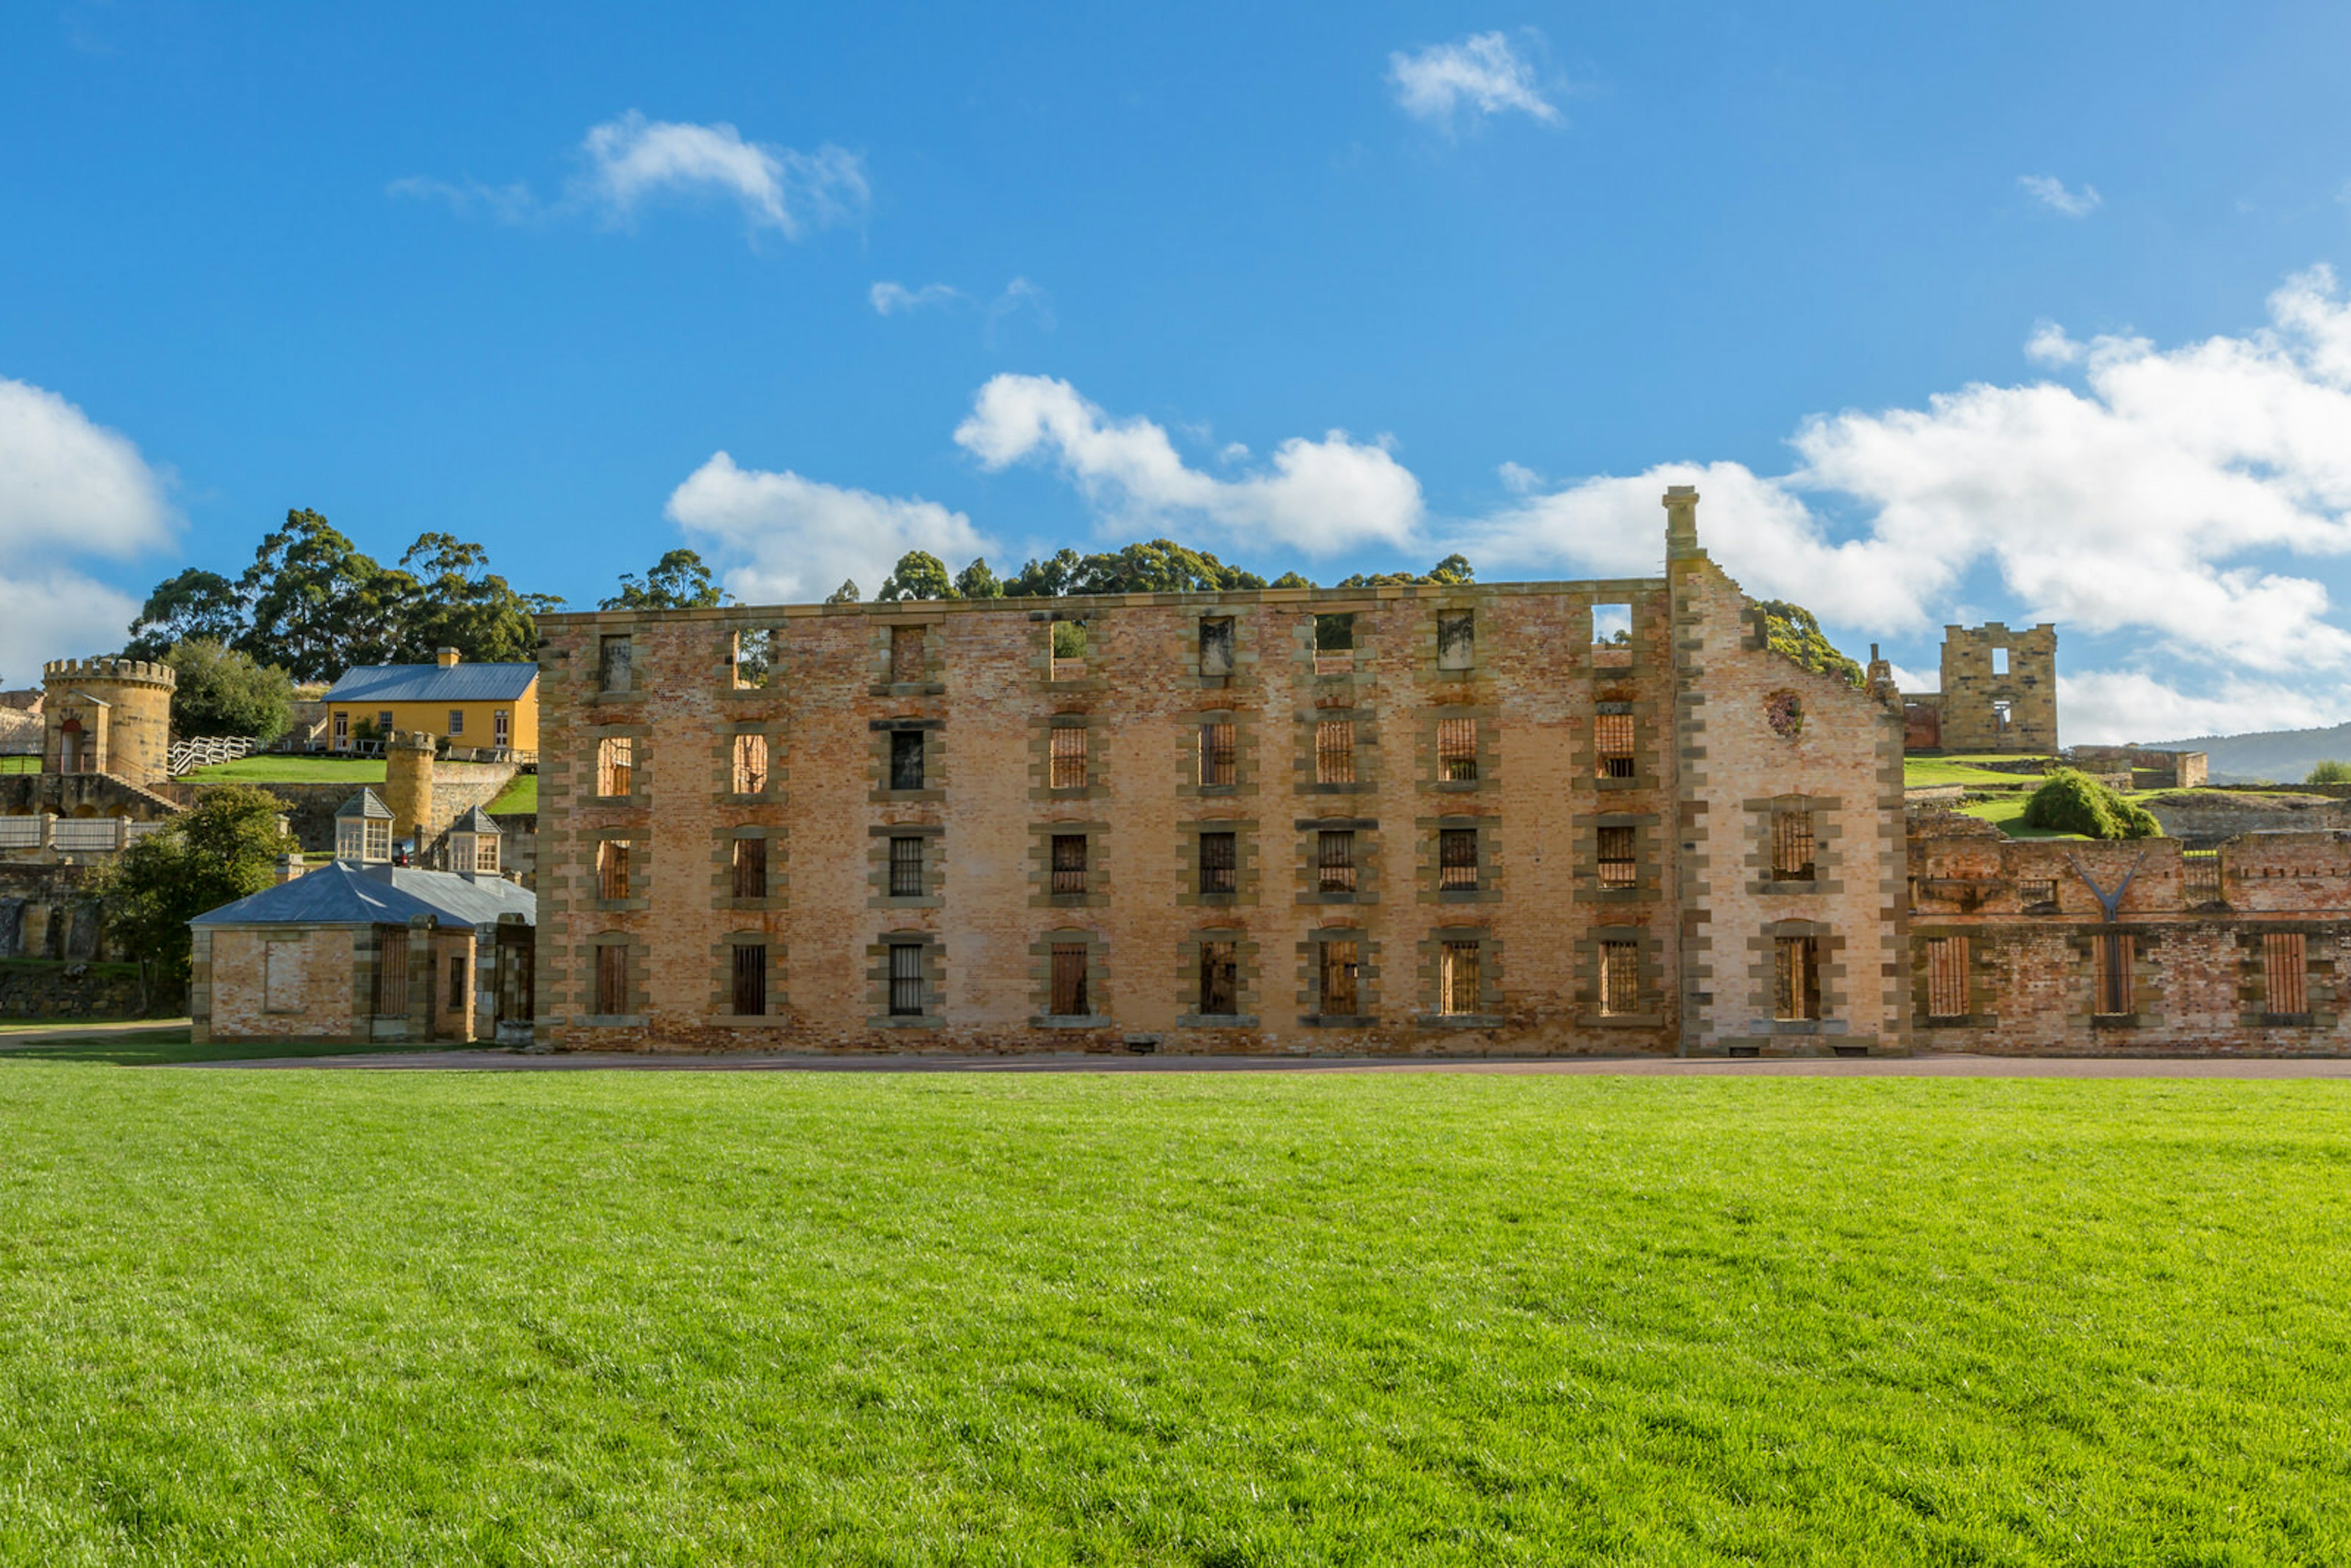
x: 1432, y: 834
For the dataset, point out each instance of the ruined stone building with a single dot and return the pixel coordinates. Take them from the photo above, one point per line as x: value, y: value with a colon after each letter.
x: 1523, y: 818
x: 1999, y: 693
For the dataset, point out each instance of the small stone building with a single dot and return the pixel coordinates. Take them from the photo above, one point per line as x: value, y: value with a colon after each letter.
x: 361, y: 950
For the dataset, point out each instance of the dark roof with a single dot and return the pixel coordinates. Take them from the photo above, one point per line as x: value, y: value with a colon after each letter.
x: 475, y: 822
x: 342, y: 894
x: 432, y: 684
x: 363, y: 804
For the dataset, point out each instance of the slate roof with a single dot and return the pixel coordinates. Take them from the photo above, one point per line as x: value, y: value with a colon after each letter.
x: 432, y: 684
x: 344, y: 895
x: 475, y: 822
x: 364, y: 804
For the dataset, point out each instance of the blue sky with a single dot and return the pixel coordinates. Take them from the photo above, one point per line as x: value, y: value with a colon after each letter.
x: 1989, y: 312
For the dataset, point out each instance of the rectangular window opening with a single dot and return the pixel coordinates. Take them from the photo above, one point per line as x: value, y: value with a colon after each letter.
x: 611, y: 980
x: 905, y: 981
x: 1618, y: 865
x: 456, y: 722
x: 1340, y: 972
x: 1947, y: 977
x: 1334, y: 860
x: 1456, y: 751
x: 907, y: 867
x: 1791, y: 846
x: 1070, y: 980
x: 1068, y: 766
x: 1219, y: 862
x: 1220, y: 759
x: 1069, y: 648
x: 1457, y: 639
x: 750, y: 976
x: 754, y: 658
x: 1457, y: 978
x: 1335, y: 751
x: 1798, y: 978
x: 612, y: 857
x: 616, y: 766
x: 1611, y: 745
x: 1456, y: 859
x: 751, y: 868
x: 1217, y: 645
x: 905, y: 760
x: 1334, y: 643
x: 1220, y: 985
x: 750, y: 764
x: 392, y: 972
x: 2000, y: 661
x: 2110, y: 959
x: 456, y: 982
x: 614, y: 661
x: 1620, y: 978
x: 1612, y: 631
x: 2037, y: 892
x: 2199, y: 872
x: 1069, y: 863
x: 2285, y: 973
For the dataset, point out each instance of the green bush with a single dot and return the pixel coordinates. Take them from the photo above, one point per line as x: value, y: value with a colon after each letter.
x: 2073, y: 802
x: 2330, y: 773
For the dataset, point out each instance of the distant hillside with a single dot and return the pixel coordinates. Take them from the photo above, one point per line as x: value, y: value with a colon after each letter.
x: 2282, y: 756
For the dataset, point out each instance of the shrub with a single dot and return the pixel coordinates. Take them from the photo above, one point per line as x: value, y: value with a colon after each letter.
x: 2073, y: 802
x: 2330, y: 773
x: 224, y: 691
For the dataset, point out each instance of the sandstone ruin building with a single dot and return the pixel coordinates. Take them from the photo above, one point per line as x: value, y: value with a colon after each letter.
x: 1999, y: 693
x: 1422, y: 818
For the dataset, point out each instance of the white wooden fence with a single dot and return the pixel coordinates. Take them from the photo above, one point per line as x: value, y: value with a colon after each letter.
x: 204, y: 750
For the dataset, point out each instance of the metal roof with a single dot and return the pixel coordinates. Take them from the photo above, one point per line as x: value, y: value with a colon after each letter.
x: 346, y: 894
x: 432, y: 684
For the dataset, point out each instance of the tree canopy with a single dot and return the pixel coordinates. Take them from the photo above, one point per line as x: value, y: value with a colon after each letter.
x: 679, y: 581
x: 2073, y: 802
x: 222, y: 849
x: 314, y: 604
x: 1792, y: 631
x: 918, y: 575
x: 224, y: 691
x: 1452, y: 568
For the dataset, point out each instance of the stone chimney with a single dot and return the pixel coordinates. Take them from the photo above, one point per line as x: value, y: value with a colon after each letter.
x: 289, y: 867
x: 1681, y: 522
x: 446, y: 657
x: 408, y: 784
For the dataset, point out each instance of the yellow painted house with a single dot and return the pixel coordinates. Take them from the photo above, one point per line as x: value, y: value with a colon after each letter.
x: 471, y: 704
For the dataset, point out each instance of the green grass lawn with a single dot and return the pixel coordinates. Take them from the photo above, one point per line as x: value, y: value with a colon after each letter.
x: 646, y: 1318
x: 268, y: 769
x: 161, y: 1045
x: 1922, y: 771
x: 521, y: 795
x: 2006, y: 814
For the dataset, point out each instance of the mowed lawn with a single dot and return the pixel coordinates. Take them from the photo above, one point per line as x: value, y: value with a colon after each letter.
x: 298, y: 1317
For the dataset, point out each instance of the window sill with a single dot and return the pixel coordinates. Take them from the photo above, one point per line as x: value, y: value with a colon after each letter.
x: 1360, y: 786
x: 1459, y: 1020
x: 743, y: 1020
x: 1338, y: 898
x: 619, y: 905
x: 928, y: 795
x: 2286, y: 1021
x: 1339, y: 1020
x: 907, y: 689
x: 1615, y: 783
x: 915, y: 1020
x: 1070, y: 1021
x: 1468, y: 894
x: 1218, y: 1020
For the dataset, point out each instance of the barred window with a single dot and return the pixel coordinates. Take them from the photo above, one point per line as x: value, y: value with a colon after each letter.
x: 1620, y: 978
x: 905, y: 979
x: 612, y: 664
x: 1791, y: 846
x: 1618, y: 867
x: 1338, y: 993
x: 1334, y: 860
x: 1069, y: 863
x: 1335, y: 751
x: 612, y: 857
x: 906, y: 653
x: 751, y: 868
x: 2038, y: 893
x: 616, y: 765
x: 1070, y: 980
x: 1798, y: 977
x: 1218, y: 757
x: 1457, y: 639
x: 750, y: 979
x: 391, y: 971
x: 1220, y: 978
x: 2283, y: 968
x: 905, y: 760
x: 1456, y: 978
x: 611, y: 980
x: 1217, y: 645
x: 907, y: 867
x: 456, y: 982
x: 1218, y: 858
x: 1069, y: 758
x: 1611, y: 742
x: 754, y: 657
x: 2110, y: 959
x: 1946, y: 977
x: 1456, y: 751
x: 750, y: 764
x: 2199, y: 872
x: 1456, y: 859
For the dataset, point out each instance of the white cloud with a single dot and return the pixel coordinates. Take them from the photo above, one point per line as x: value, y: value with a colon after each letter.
x: 1519, y: 479
x: 797, y: 538
x: 2109, y: 708
x: 1318, y: 495
x: 1481, y: 72
x: 69, y: 488
x: 632, y: 158
x: 2051, y: 193
x: 2050, y: 346
x: 896, y: 298
x: 508, y: 204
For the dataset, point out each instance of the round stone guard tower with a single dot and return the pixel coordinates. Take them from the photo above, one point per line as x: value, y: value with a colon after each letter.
x: 408, y: 785
x: 108, y: 715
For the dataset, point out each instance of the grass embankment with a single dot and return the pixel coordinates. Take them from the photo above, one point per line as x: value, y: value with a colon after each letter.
x: 268, y: 769
x: 1918, y: 772
x: 567, y: 1318
x: 520, y: 797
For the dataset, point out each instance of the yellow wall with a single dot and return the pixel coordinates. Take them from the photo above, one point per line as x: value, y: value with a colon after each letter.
x: 432, y: 718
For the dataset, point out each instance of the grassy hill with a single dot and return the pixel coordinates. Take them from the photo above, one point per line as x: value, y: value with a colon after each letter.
x: 2279, y: 755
